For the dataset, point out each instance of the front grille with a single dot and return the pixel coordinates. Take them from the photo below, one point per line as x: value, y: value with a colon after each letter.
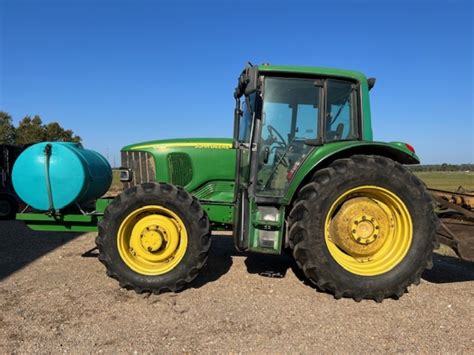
x: 142, y: 165
x: 180, y: 169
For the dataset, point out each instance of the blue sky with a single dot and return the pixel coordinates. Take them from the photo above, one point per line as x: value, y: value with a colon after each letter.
x: 120, y: 72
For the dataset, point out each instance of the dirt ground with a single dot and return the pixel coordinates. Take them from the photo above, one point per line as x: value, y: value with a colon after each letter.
x: 55, y: 297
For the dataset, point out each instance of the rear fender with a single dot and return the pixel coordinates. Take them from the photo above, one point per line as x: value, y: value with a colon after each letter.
x: 323, y: 156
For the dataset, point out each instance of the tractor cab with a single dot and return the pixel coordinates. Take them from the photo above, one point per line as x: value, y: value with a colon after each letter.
x: 280, y: 118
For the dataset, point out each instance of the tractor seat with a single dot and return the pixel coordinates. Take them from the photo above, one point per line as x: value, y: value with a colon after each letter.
x: 335, y: 135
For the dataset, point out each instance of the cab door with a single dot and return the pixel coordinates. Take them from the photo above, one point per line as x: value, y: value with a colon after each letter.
x: 245, y: 147
x: 290, y: 116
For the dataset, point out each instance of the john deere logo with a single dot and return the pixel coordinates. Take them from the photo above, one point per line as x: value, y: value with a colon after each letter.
x: 196, y: 145
x: 213, y: 146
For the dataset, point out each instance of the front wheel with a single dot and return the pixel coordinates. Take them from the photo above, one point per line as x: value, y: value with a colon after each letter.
x: 153, y: 238
x: 363, y: 228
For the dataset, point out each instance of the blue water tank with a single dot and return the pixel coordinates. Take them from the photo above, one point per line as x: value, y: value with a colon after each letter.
x: 75, y: 175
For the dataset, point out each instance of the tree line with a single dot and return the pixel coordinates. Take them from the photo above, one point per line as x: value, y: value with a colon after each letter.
x: 442, y: 167
x: 32, y: 130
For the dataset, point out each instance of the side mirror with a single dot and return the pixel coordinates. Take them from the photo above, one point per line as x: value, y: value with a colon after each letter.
x: 252, y: 79
x: 247, y: 82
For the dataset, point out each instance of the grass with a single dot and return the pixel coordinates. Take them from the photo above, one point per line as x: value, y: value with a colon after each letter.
x: 447, y: 180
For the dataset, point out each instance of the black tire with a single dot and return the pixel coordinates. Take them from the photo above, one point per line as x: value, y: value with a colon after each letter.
x: 307, y: 223
x: 8, y: 207
x: 182, y: 204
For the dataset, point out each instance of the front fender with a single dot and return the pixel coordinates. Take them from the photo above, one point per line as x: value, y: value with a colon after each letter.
x: 322, y: 156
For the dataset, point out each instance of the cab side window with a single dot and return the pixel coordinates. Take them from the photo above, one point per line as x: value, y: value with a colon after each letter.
x: 341, y: 109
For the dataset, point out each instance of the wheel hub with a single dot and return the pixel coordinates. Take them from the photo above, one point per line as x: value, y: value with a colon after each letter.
x: 152, y: 238
x: 364, y: 229
x: 360, y: 227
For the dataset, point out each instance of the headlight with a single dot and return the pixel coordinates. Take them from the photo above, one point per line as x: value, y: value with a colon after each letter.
x: 126, y: 175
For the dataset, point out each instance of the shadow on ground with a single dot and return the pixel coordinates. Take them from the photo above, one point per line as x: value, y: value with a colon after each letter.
x: 266, y: 265
x: 446, y: 269
x: 218, y: 264
x: 219, y: 261
x: 449, y: 269
x: 269, y: 265
x: 21, y: 246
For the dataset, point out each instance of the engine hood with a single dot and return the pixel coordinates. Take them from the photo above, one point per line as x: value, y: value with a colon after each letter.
x: 206, y: 164
x: 190, y: 143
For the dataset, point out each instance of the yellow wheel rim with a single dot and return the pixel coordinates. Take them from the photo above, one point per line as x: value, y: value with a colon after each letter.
x: 368, y: 230
x: 152, y: 240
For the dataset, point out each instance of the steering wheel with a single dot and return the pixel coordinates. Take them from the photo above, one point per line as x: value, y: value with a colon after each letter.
x: 276, y: 136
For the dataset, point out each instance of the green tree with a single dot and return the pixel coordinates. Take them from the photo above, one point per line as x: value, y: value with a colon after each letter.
x: 7, y: 130
x: 54, y: 132
x: 30, y: 130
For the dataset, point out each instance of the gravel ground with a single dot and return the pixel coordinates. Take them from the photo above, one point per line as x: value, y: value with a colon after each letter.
x: 55, y: 297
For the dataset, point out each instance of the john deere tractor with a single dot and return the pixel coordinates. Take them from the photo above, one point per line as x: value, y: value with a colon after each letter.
x: 302, y: 173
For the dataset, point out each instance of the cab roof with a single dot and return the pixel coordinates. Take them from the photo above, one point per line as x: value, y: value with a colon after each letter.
x: 342, y: 73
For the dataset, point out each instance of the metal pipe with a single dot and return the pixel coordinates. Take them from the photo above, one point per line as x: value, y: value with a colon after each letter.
x: 47, y: 156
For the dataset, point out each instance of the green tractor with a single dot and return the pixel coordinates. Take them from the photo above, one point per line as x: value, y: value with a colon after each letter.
x: 301, y: 174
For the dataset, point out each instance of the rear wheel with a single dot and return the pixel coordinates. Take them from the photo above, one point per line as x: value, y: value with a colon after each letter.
x: 363, y: 228
x: 153, y: 238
